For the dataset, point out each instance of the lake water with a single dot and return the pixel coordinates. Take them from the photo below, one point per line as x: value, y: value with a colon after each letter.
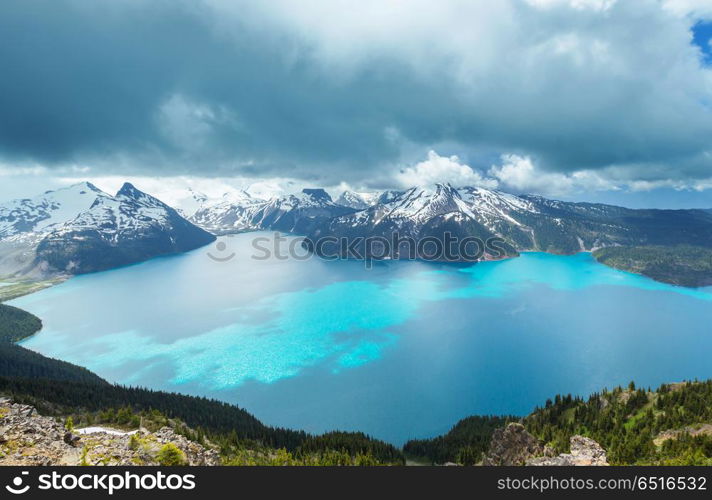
x: 403, y: 350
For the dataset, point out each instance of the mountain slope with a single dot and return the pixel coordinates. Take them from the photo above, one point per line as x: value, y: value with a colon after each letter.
x: 358, y: 201
x: 192, y: 202
x: 502, y: 224
x: 16, y: 361
x: 682, y: 265
x: 290, y: 213
x: 81, y: 229
x: 25, y: 222
x: 127, y: 228
x: 232, y: 214
x: 566, y: 227
x: 524, y: 223
x: 417, y: 213
x: 668, y: 426
x: 32, y: 218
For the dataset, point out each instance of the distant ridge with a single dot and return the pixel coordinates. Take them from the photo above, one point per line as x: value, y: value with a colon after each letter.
x: 523, y: 223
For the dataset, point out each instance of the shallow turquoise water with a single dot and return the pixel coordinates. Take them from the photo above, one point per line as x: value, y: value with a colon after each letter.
x: 400, y: 351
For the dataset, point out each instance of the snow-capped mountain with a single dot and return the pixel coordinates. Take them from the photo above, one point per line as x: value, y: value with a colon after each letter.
x: 230, y: 215
x: 82, y: 229
x: 358, y: 201
x: 289, y: 213
x: 32, y: 218
x: 193, y: 201
x: 523, y: 223
x: 413, y: 208
x: 298, y: 212
x: 416, y: 213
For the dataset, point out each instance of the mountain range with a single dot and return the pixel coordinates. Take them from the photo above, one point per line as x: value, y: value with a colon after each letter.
x: 294, y: 213
x: 82, y: 229
x: 524, y: 223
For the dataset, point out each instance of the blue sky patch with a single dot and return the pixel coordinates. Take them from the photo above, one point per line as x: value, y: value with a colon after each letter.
x: 702, y: 36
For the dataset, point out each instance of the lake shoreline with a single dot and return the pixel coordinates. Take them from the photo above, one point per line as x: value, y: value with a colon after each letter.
x: 277, y: 337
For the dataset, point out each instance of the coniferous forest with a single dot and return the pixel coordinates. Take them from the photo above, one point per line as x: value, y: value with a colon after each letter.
x: 463, y: 444
x: 16, y: 324
x: 668, y: 426
x: 683, y: 265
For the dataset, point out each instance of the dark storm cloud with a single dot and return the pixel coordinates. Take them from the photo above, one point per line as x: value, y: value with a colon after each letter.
x: 76, y: 81
x: 80, y: 81
x: 223, y: 88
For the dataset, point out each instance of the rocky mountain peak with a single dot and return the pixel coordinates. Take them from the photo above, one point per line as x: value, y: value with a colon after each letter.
x: 129, y: 193
x: 317, y: 194
x: 80, y: 188
x: 358, y: 201
x: 129, y: 190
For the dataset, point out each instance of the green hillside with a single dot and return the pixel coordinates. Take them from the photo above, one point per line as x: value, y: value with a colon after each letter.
x: 669, y: 426
x: 679, y: 265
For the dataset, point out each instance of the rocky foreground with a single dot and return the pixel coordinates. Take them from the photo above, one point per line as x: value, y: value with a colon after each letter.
x: 513, y: 445
x: 27, y: 438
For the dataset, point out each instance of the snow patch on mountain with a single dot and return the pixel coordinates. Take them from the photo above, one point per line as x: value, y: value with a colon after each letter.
x: 81, y: 228
x: 356, y: 200
x: 32, y: 218
x: 284, y: 213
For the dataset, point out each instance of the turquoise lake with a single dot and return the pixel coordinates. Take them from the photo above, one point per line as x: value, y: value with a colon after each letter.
x: 403, y: 350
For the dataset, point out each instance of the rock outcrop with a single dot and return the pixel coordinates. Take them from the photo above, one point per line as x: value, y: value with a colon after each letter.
x: 584, y: 451
x: 27, y: 438
x: 513, y: 445
x: 692, y: 430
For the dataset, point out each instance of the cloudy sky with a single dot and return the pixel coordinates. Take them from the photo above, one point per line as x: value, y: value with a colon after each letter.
x: 604, y: 100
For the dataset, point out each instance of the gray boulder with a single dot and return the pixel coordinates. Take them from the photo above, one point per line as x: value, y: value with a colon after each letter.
x: 584, y: 451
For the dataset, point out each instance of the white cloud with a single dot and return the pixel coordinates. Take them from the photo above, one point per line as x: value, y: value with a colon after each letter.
x: 576, y: 4
x: 519, y: 174
x: 694, y: 8
x: 514, y: 173
x: 442, y: 169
